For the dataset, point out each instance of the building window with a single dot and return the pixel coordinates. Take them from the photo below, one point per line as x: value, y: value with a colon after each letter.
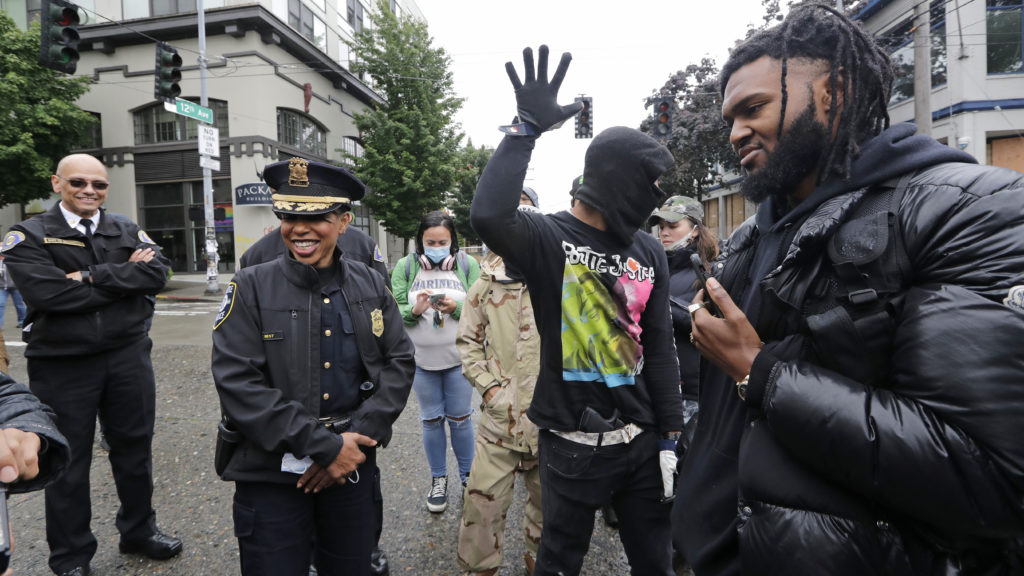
x: 1005, y: 28
x: 351, y: 146
x: 154, y: 124
x: 164, y: 211
x: 166, y: 7
x: 308, y: 25
x: 33, y: 8
x: 301, y: 132
x: 94, y: 133
x: 355, y: 15
x: 900, y: 43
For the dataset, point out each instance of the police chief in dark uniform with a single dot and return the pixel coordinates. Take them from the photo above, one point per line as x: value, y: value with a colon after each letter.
x: 86, y: 276
x: 357, y: 246
x: 313, y: 366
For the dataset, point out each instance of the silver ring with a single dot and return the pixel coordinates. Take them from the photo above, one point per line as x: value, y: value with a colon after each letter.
x: 692, y: 308
x: 692, y: 340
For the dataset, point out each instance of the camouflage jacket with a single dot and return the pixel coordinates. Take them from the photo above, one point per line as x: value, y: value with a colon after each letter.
x: 500, y: 346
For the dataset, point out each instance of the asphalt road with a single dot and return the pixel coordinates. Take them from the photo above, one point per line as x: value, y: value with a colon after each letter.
x: 193, y: 504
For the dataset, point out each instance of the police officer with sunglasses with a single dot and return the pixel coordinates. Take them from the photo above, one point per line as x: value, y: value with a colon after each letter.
x: 88, y: 277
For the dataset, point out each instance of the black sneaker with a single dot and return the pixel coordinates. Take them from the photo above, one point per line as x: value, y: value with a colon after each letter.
x: 437, y: 498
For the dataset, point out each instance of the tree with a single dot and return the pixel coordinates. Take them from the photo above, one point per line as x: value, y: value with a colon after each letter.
x: 471, y: 166
x: 410, y: 142
x: 699, y: 140
x: 41, y: 122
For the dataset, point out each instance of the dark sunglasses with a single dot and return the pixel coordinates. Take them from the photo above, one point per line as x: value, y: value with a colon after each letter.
x: 79, y: 183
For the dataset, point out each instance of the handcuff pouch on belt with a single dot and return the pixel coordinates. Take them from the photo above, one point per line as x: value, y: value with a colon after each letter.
x: 228, y: 439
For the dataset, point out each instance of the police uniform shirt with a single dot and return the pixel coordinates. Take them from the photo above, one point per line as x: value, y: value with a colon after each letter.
x: 341, y: 367
x: 75, y: 221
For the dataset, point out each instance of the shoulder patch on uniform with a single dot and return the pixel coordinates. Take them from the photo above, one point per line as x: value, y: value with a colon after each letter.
x: 226, y: 305
x: 377, y: 320
x: 376, y: 254
x: 1014, y: 299
x: 11, y: 240
x: 64, y: 241
x: 143, y: 237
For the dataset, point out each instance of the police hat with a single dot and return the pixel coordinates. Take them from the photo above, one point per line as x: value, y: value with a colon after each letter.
x: 305, y: 187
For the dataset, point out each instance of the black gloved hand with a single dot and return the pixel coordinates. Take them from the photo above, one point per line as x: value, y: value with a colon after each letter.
x: 537, y: 99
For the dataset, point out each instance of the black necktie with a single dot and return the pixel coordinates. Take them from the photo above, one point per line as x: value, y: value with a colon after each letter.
x: 88, y: 227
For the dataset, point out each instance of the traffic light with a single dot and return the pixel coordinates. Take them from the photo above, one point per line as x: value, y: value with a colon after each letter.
x: 167, y: 74
x: 585, y: 118
x: 58, y: 46
x: 663, y: 117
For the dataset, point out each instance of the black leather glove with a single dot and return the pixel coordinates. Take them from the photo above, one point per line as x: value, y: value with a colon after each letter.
x: 537, y: 99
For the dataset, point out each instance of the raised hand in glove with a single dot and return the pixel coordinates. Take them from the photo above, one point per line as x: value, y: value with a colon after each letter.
x: 537, y: 98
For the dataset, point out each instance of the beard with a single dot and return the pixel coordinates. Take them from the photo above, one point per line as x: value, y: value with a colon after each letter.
x: 796, y: 155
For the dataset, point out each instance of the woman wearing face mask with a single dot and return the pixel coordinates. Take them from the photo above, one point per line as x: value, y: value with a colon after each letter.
x: 430, y: 285
x: 680, y: 222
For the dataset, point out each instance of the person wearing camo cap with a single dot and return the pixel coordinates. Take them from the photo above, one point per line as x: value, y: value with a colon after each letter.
x: 681, y: 230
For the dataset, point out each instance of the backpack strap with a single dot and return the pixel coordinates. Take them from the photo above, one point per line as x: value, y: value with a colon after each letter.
x: 463, y: 268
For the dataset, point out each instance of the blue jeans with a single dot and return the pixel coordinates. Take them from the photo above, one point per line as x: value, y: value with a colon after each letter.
x: 445, y: 395
x: 19, y: 304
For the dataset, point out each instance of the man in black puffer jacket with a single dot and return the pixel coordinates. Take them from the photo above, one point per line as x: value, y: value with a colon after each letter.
x: 862, y: 399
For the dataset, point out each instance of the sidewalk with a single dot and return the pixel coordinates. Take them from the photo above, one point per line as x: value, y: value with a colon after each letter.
x: 191, y: 287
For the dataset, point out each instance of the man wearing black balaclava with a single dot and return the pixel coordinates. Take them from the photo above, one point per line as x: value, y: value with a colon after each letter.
x: 607, y: 400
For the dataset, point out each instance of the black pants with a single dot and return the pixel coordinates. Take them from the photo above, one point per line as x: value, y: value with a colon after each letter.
x: 279, y: 527
x: 119, y: 386
x: 578, y: 479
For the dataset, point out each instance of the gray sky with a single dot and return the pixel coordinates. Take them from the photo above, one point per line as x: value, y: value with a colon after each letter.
x: 622, y: 51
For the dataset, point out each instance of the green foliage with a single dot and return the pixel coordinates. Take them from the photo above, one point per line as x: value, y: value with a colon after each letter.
x: 700, y: 139
x: 41, y: 122
x: 471, y: 162
x: 411, y: 141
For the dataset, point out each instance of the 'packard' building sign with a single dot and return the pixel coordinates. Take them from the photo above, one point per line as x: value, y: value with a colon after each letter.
x: 256, y: 194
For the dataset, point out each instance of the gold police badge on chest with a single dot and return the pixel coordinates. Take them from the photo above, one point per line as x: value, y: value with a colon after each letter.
x: 377, y: 320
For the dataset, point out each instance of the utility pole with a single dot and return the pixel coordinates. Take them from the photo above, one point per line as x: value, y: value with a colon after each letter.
x: 211, y: 234
x: 922, y: 67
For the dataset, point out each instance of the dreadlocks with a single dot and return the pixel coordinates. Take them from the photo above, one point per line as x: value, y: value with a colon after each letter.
x: 818, y: 32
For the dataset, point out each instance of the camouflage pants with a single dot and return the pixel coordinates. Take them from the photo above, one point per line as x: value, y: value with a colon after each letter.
x: 488, y: 496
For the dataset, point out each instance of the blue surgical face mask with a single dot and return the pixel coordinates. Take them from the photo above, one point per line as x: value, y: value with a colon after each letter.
x: 436, y: 255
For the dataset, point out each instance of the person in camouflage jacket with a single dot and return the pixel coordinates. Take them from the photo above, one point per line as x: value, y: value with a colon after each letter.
x: 500, y: 351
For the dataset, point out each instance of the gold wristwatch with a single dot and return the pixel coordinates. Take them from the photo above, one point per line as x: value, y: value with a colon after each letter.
x: 741, y: 387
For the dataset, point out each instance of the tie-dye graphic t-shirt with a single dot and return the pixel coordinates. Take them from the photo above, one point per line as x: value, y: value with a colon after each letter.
x: 601, y: 324
x: 602, y: 312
